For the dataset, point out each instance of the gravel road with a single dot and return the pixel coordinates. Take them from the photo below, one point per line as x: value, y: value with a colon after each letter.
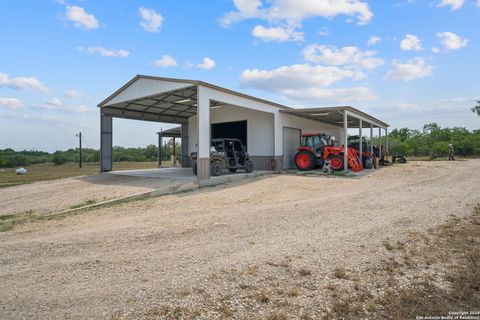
x: 239, y: 250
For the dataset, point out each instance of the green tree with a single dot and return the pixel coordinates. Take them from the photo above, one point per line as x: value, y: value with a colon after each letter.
x: 402, y: 133
x: 476, y: 109
x: 151, y: 152
x: 58, y: 158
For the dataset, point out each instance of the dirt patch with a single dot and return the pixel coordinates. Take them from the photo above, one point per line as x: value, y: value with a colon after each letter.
x: 279, y: 247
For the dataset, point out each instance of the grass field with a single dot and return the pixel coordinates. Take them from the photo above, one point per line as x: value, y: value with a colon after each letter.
x: 49, y: 172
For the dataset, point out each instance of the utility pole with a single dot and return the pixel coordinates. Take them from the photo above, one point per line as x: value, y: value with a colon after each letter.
x: 79, y: 135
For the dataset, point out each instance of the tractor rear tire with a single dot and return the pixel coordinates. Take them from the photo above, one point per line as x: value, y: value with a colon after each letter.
x: 194, y: 167
x: 304, y: 160
x: 368, y: 163
x: 216, y: 169
x: 232, y: 170
x: 249, y: 166
x: 336, y: 163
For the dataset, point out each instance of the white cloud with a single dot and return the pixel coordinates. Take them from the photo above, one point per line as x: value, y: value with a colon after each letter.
x: 451, y: 41
x: 151, y: 21
x: 412, y: 69
x: 324, y: 31
x: 478, y: 3
x: 411, y: 42
x: 278, y: 34
x: 373, y: 40
x: 72, y: 94
x: 306, y: 82
x: 206, y: 64
x: 80, y: 18
x: 22, y: 83
x: 454, y: 4
x: 11, y: 103
x: 57, y: 105
x: 335, y: 95
x: 104, y: 52
x: 435, y: 50
x: 55, y: 102
x: 294, y: 11
x: 351, y: 57
x: 166, y: 61
x: 297, y: 76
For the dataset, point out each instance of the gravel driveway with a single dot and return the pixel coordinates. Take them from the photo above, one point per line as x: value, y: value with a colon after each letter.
x: 237, y: 250
x: 58, y: 195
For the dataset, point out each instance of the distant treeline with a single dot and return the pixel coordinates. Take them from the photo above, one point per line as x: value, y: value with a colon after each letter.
x: 10, y: 158
x: 432, y: 142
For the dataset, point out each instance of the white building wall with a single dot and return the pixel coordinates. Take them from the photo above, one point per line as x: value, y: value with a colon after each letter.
x: 260, y: 133
x: 235, y: 100
x: 310, y: 126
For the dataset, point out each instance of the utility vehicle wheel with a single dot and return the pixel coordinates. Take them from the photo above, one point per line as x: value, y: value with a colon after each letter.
x: 402, y: 160
x: 216, y: 169
x: 232, y: 170
x: 336, y: 163
x: 194, y: 167
x: 368, y: 163
x: 248, y: 166
x: 304, y: 160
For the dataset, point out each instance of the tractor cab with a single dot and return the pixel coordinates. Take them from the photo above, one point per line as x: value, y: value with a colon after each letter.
x: 315, y: 143
x: 354, y: 142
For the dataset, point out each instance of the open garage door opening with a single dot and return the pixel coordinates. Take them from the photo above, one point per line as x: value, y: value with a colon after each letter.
x: 231, y: 130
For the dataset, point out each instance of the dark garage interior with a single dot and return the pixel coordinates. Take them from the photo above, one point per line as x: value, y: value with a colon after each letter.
x: 232, y: 130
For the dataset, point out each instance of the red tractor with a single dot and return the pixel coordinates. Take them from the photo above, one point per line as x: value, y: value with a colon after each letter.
x: 366, y: 157
x: 316, y: 148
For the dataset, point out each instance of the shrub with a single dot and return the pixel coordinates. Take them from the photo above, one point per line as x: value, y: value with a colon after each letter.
x: 58, y: 159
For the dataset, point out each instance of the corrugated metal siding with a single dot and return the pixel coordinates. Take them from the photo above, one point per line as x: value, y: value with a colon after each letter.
x: 259, y: 128
x: 310, y: 126
x: 146, y: 87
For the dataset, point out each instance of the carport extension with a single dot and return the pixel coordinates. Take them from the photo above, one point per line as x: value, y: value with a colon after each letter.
x: 339, y: 116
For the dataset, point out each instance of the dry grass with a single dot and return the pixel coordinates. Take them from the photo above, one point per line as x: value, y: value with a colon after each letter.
x: 304, y: 272
x: 340, y: 273
x: 454, y: 248
x: 8, y: 221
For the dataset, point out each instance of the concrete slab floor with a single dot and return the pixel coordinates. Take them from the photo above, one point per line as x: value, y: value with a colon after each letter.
x: 173, y: 173
x: 177, y: 173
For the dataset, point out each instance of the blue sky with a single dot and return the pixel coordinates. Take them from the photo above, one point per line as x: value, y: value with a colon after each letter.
x: 408, y: 62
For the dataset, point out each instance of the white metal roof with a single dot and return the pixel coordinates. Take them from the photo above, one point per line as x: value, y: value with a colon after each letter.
x: 175, y: 100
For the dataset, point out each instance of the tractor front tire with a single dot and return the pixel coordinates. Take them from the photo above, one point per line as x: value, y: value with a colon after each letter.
x: 336, y: 163
x: 216, y: 169
x: 249, y: 166
x: 304, y: 160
